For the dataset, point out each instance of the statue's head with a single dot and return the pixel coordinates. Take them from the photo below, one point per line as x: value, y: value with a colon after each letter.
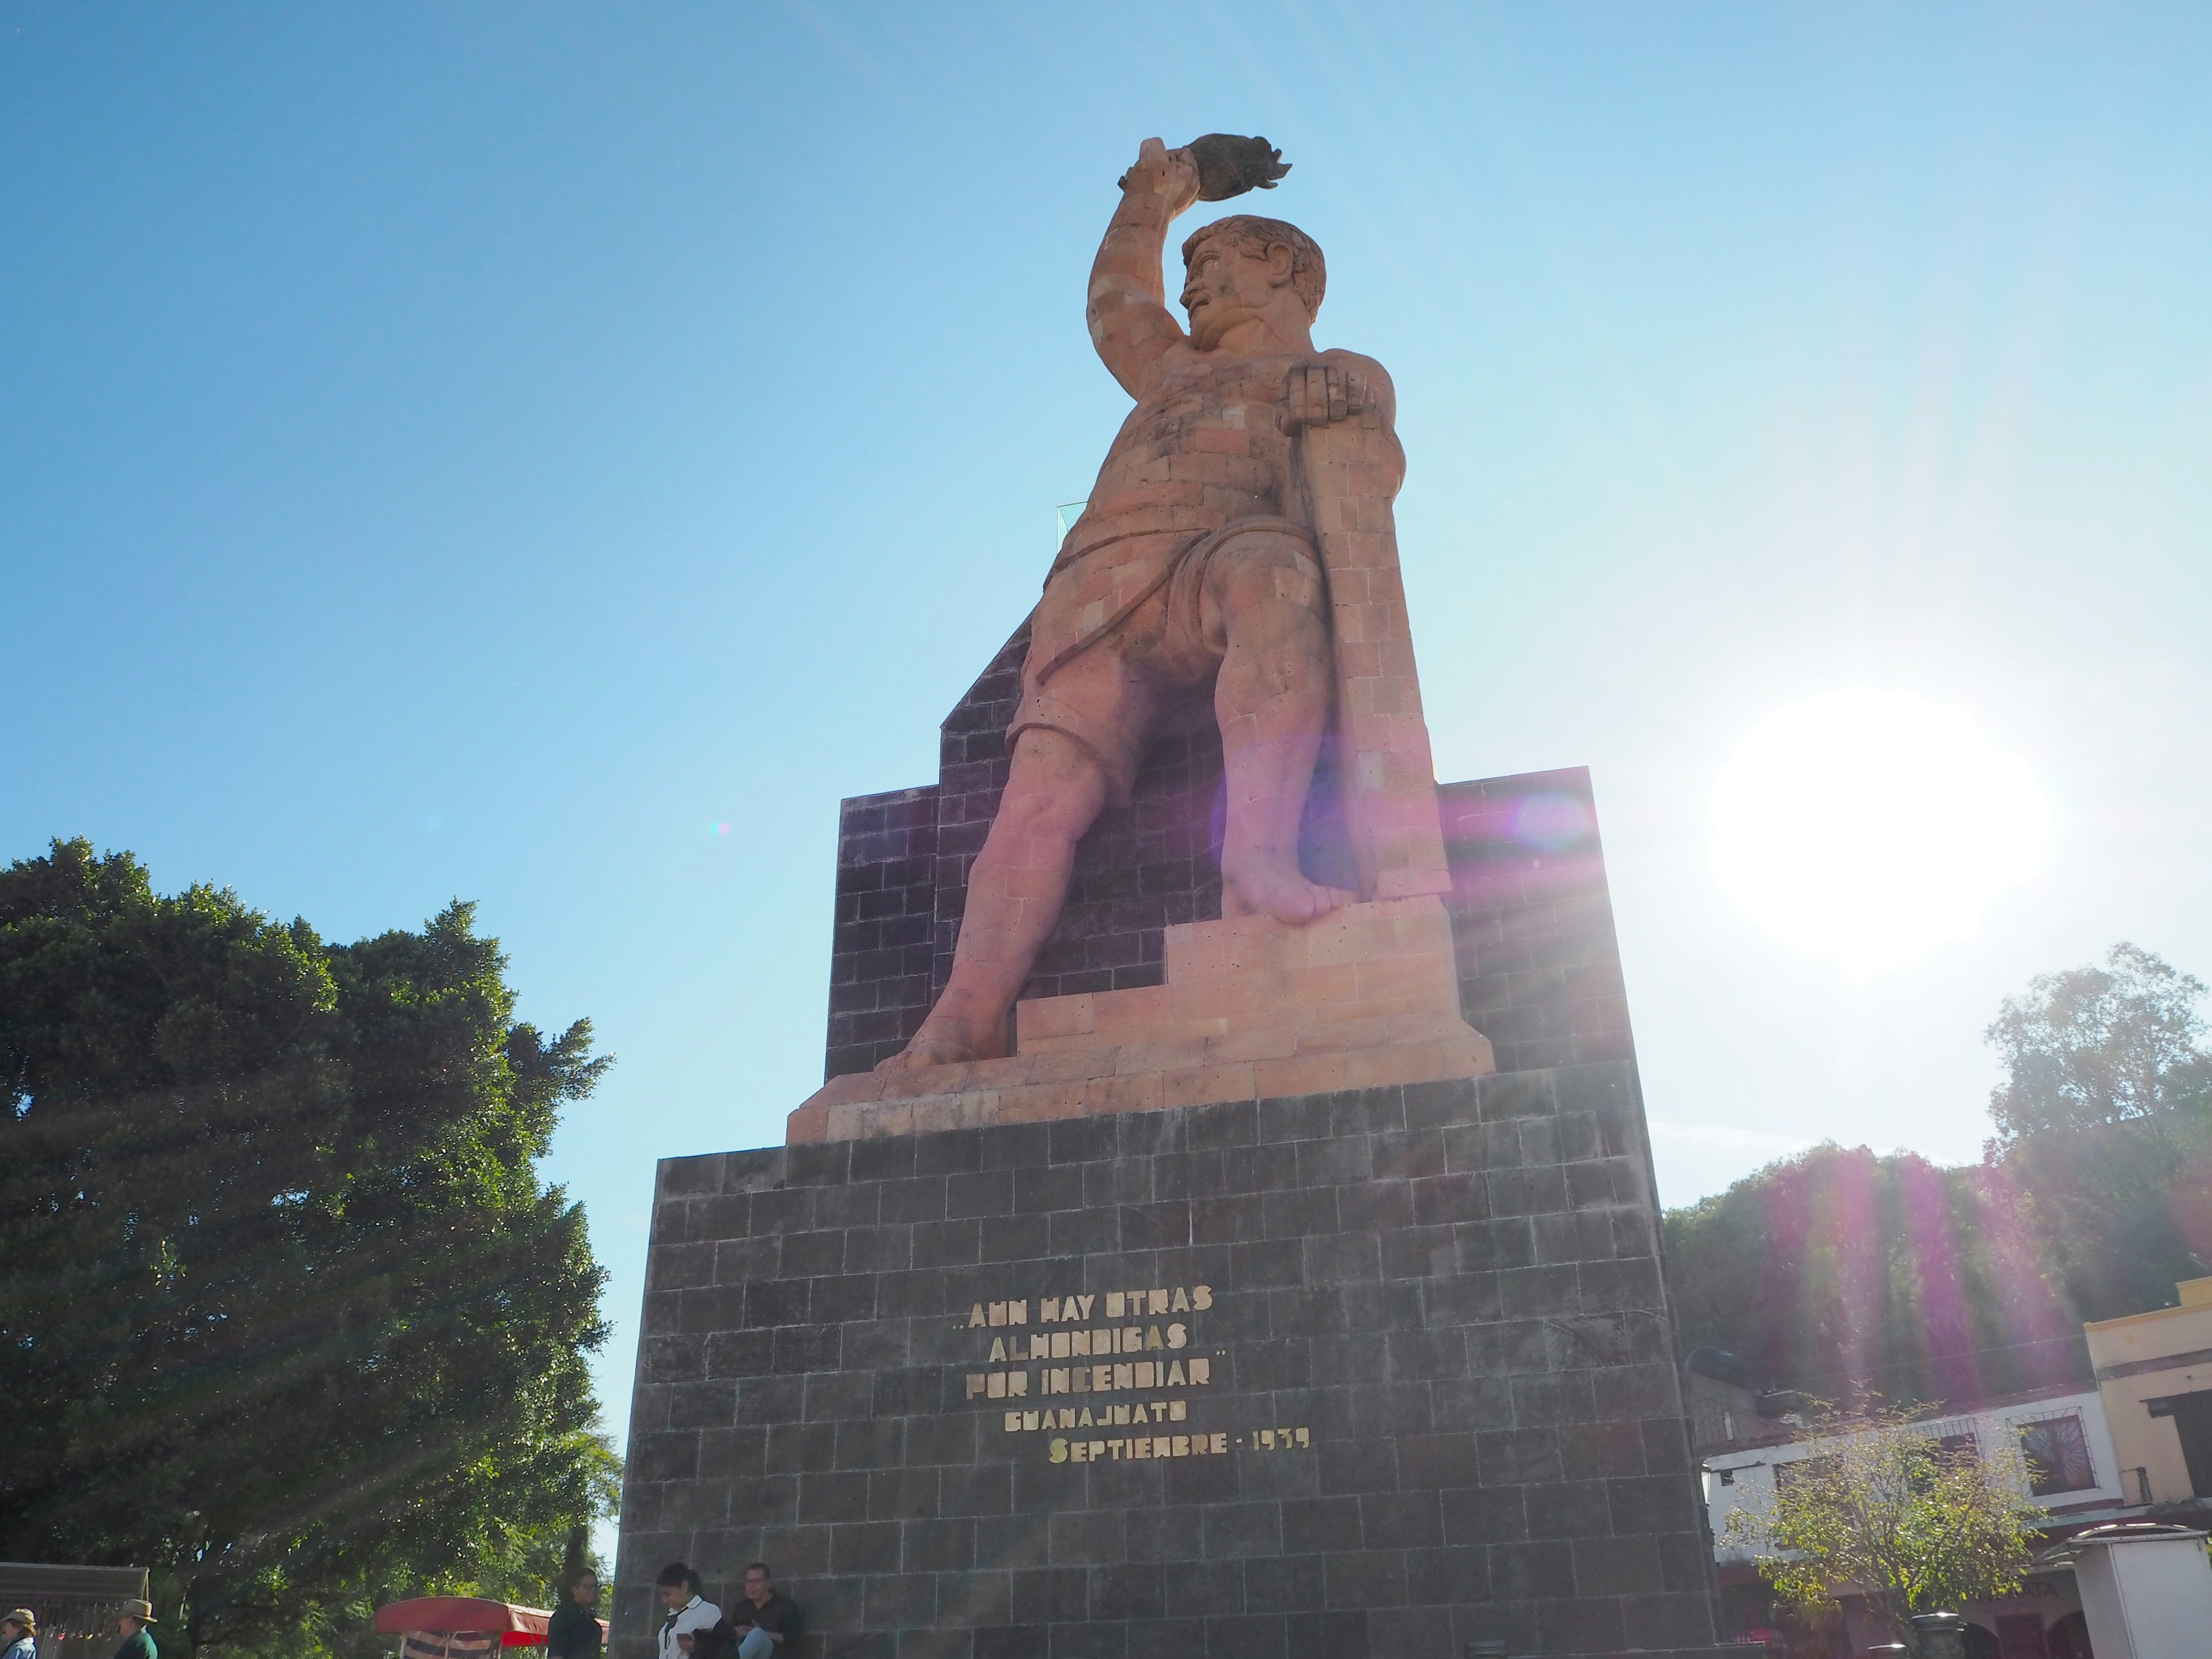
x: 1245, y: 266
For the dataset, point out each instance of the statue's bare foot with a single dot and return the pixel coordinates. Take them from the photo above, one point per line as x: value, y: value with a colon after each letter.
x: 1259, y: 885
x: 927, y: 1051
x: 944, y: 1040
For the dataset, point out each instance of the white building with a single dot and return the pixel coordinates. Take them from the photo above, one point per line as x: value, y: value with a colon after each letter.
x: 2076, y: 1472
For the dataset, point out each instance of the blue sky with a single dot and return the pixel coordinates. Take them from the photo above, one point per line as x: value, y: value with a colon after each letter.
x: 478, y: 451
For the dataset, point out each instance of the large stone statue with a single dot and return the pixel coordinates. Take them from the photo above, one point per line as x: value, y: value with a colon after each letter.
x: 1229, y: 541
x: 1258, y: 1199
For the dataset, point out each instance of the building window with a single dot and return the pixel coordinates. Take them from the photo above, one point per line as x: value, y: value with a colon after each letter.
x: 1956, y: 1449
x: 1728, y: 1476
x: 1789, y: 1474
x: 2058, y: 1456
x: 2192, y: 1417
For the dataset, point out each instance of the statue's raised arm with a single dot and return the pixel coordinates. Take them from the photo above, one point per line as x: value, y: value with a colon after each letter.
x: 1127, y: 310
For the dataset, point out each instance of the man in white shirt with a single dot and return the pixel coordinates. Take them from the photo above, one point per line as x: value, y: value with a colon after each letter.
x: 687, y: 1612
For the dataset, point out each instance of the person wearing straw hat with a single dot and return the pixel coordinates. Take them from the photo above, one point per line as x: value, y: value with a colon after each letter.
x: 20, y: 1628
x: 137, y: 1640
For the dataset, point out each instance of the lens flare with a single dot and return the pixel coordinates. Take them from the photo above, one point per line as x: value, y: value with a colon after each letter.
x: 1550, y: 822
x: 1873, y: 828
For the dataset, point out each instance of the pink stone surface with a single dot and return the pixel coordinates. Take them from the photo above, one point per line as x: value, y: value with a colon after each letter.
x: 1238, y: 547
x: 1253, y: 1008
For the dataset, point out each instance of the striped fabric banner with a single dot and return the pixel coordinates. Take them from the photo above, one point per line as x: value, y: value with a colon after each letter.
x: 447, y: 1644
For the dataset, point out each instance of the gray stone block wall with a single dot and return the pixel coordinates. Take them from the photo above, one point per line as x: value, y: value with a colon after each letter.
x: 1455, y: 1290
x: 1532, y: 920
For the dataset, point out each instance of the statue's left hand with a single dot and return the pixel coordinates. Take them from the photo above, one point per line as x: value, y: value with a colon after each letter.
x: 1323, y: 394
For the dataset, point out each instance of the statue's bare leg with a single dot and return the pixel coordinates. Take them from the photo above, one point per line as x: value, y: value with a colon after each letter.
x: 1271, y: 700
x: 1015, y: 889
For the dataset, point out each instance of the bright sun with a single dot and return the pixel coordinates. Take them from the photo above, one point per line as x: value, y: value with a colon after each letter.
x: 1872, y: 827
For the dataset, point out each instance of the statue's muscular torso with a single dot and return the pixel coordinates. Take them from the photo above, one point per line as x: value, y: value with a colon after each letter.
x: 1204, y: 447
x: 1201, y: 449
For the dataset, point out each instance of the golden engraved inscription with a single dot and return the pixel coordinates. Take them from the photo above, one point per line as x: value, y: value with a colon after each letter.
x: 1133, y: 1342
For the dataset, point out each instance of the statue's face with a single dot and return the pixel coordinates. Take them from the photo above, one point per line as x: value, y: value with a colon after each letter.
x: 1228, y: 282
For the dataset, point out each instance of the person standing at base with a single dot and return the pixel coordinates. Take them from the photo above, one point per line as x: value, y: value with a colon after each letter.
x: 688, y: 1612
x: 766, y: 1620
x: 137, y: 1640
x: 20, y: 1630
x: 572, y: 1633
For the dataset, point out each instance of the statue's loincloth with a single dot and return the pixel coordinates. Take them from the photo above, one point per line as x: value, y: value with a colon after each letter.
x: 1118, y: 637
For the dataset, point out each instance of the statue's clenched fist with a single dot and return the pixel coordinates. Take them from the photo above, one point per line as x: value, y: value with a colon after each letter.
x: 1322, y: 394
x: 1169, y: 173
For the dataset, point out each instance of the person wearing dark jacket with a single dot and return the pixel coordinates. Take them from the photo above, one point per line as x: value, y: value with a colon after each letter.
x: 766, y: 1620
x: 572, y: 1633
x: 137, y: 1640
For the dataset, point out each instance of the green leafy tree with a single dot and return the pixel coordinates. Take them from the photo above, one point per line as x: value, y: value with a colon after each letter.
x: 1883, y: 1512
x: 285, y: 1313
x: 1837, y: 1270
x: 2095, y: 1047
x: 2104, y: 1127
x: 527, y: 1564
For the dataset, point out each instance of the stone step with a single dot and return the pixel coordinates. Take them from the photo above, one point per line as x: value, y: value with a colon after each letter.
x: 1251, y: 1009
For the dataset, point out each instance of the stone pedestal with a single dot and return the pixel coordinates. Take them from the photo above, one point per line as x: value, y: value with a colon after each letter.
x: 1386, y: 1177
x: 1384, y: 1370
x: 1249, y: 1010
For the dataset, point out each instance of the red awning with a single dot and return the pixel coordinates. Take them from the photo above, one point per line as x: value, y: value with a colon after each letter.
x: 516, y: 1627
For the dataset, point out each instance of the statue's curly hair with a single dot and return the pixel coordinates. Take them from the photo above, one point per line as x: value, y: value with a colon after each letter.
x: 1309, y: 274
